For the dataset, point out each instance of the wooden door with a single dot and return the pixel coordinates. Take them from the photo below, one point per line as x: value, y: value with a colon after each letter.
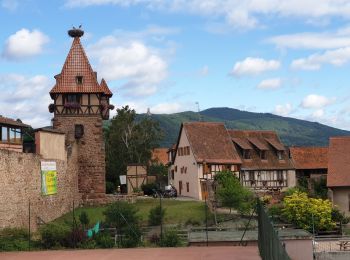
x: 204, y: 190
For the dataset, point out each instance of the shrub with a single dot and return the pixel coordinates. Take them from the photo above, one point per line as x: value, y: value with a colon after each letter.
x: 13, y: 239
x: 304, y: 211
x: 148, y: 189
x: 292, y: 190
x: 123, y: 216
x: 110, y: 187
x: 104, y: 240
x: 154, y: 239
x: 84, y: 219
x: 76, y: 237
x: 156, y: 215
x: 89, y: 244
x: 54, y: 235
x: 338, y: 216
x: 275, y: 211
x: 170, y: 239
x: 320, y: 188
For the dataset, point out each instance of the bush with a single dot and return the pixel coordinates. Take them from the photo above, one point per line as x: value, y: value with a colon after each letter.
x: 170, y: 239
x: 291, y: 191
x: 110, y: 187
x: 305, y: 212
x: 84, y: 219
x: 13, y: 239
x: 123, y: 216
x: 89, y: 244
x: 104, y: 240
x: 275, y: 211
x: 148, y: 189
x: 320, y: 188
x: 76, y: 237
x: 54, y: 235
x: 154, y: 239
x: 156, y: 215
x: 192, y: 222
x: 340, y: 217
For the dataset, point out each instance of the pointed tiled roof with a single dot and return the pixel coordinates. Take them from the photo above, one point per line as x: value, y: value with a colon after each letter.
x: 105, y: 88
x: 77, y: 64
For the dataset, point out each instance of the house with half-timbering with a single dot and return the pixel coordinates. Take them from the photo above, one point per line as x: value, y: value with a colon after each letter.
x: 202, y: 150
x: 338, y: 176
x: 258, y: 158
x: 265, y: 161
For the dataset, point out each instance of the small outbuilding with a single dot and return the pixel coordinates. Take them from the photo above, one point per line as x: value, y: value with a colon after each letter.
x: 11, y: 134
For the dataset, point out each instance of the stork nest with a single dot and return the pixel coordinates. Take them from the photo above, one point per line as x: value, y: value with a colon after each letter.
x: 75, y: 33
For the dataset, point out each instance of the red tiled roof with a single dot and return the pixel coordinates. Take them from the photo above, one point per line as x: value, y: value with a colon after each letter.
x: 77, y: 64
x: 244, y: 144
x: 211, y: 143
x: 309, y: 157
x: 105, y: 88
x: 160, y: 155
x: 11, y: 122
x: 339, y: 162
x: 259, y: 139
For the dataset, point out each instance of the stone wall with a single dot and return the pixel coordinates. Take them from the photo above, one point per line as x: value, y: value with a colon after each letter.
x: 91, y: 152
x: 20, y: 182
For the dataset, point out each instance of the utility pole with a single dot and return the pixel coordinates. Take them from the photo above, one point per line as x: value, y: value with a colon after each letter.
x: 206, y: 218
x: 29, y: 224
x: 161, y: 215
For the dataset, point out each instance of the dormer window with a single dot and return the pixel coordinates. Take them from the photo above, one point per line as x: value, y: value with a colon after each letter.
x: 280, y: 155
x: 247, y: 154
x: 263, y: 155
x: 79, y: 80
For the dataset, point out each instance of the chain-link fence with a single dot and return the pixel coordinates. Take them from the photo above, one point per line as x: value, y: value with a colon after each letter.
x: 270, y: 246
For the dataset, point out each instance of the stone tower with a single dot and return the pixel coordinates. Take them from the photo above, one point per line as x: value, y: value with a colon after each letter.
x: 80, y: 105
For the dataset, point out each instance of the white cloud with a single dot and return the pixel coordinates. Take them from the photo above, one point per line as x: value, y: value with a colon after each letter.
x: 26, y: 98
x: 24, y: 44
x: 273, y: 83
x: 336, y: 57
x: 316, y: 101
x: 318, y: 113
x: 141, y: 67
x: 283, y: 110
x: 204, y: 71
x: 254, y: 66
x: 308, y: 40
x: 11, y: 5
x: 167, y: 108
x: 238, y: 13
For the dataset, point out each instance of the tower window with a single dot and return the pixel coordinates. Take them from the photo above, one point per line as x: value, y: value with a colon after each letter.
x: 79, y: 80
x: 79, y: 131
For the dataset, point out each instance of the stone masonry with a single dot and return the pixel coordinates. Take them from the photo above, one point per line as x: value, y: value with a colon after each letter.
x: 91, y: 152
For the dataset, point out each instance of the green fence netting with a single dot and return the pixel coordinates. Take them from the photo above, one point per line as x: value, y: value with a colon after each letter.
x: 270, y: 246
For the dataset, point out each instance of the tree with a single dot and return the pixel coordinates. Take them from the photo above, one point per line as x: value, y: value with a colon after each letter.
x: 308, y: 213
x: 123, y: 216
x: 129, y: 140
x: 156, y: 215
x: 230, y: 193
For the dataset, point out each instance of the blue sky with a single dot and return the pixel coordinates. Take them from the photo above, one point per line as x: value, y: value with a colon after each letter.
x: 289, y: 58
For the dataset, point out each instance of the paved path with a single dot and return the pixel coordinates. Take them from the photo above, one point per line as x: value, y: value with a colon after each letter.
x: 184, y: 253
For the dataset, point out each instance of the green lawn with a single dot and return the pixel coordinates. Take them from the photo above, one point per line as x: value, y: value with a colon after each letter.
x: 177, y: 212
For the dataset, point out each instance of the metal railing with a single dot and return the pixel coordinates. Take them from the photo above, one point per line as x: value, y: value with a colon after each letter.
x: 270, y: 246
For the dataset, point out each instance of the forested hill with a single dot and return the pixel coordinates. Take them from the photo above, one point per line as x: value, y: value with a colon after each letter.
x: 292, y: 131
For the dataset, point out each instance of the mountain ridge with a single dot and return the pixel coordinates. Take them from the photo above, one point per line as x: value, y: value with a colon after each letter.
x: 292, y: 131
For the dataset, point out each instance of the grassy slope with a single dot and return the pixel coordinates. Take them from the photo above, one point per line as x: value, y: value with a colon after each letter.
x: 177, y: 212
x: 291, y: 131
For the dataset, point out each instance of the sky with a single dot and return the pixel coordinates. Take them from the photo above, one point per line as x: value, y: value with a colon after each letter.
x: 289, y: 58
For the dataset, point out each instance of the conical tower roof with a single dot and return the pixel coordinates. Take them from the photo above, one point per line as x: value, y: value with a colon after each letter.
x: 77, y: 75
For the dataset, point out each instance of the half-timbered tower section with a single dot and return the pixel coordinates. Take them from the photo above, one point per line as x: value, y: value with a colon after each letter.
x: 265, y: 161
x: 202, y: 150
x: 80, y: 105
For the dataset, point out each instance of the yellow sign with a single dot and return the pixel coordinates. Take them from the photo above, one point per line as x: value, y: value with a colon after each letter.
x: 48, y: 178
